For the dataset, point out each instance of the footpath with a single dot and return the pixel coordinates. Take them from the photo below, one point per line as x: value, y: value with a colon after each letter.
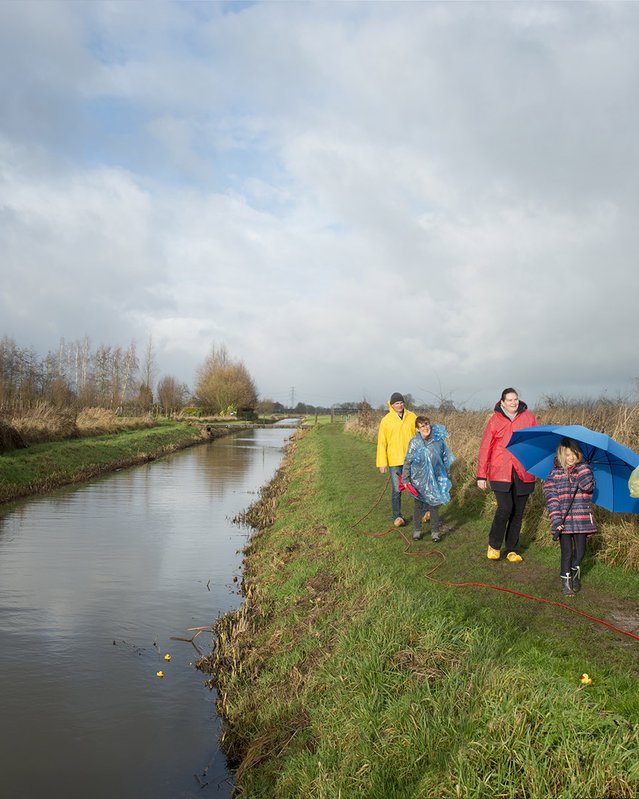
x: 349, y: 671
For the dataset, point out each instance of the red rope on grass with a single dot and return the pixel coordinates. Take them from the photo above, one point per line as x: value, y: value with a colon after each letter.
x: 428, y: 575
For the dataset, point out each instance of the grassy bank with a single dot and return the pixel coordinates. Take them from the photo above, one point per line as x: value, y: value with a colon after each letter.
x: 44, y: 466
x: 348, y: 672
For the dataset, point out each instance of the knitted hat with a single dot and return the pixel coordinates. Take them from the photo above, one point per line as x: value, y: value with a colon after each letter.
x: 396, y: 397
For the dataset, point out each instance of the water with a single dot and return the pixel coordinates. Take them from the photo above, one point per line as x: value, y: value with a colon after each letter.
x: 94, y: 583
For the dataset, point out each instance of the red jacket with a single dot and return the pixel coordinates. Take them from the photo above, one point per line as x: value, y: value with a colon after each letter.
x: 495, y: 462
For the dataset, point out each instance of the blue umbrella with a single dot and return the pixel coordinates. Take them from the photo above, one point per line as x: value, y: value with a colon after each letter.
x: 611, y: 462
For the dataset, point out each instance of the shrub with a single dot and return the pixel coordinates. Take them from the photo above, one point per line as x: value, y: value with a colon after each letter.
x: 10, y: 439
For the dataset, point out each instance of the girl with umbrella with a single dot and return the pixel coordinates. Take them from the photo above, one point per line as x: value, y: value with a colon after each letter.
x: 568, y: 492
x: 509, y: 480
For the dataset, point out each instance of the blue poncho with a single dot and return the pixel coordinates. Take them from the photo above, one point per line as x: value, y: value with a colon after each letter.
x: 427, y: 464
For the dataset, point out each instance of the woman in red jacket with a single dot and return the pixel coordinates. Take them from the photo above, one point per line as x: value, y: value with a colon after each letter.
x: 509, y: 480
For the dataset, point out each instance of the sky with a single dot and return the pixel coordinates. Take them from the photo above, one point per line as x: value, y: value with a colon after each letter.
x: 354, y: 198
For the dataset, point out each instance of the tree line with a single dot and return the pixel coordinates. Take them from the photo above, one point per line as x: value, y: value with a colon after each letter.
x: 78, y: 375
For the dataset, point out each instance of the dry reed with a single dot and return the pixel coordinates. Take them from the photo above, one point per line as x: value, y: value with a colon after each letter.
x: 44, y: 422
x: 98, y: 421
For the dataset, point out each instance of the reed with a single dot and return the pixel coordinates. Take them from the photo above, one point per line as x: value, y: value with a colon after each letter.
x: 98, y: 421
x: 42, y: 422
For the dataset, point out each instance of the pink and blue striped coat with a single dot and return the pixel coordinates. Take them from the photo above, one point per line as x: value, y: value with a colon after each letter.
x: 559, y: 489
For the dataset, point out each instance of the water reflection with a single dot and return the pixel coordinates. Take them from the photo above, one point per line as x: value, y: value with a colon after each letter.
x: 94, y: 582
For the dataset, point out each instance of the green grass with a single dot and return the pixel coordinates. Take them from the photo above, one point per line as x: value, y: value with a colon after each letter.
x: 361, y: 677
x: 41, y: 467
x: 320, y: 419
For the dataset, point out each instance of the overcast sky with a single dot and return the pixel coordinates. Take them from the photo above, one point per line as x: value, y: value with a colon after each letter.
x: 438, y: 198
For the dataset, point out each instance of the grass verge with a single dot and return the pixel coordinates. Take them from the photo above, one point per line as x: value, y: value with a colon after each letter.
x: 348, y: 672
x: 42, y: 467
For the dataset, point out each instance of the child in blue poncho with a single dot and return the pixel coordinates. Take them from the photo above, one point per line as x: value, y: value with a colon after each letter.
x: 427, y: 468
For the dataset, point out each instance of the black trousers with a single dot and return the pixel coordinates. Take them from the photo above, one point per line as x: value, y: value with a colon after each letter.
x: 573, y: 549
x: 508, y: 518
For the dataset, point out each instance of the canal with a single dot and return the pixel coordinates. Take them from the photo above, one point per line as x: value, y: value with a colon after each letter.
x: 95, y: 583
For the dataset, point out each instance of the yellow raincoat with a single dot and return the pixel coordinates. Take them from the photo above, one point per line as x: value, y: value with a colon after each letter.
x: 393, y: 437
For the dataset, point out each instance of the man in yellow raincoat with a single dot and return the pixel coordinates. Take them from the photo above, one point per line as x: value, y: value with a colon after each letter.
x: 395, y: 431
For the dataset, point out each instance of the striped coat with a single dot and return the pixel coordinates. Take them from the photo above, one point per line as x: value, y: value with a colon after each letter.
x: 559, y: 488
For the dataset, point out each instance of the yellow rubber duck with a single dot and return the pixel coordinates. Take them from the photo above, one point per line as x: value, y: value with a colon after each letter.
x: 585, y: 679
x: 167, y: 657
x: 160, y: 674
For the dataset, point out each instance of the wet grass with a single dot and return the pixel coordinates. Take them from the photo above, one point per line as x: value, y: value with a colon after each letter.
x: 348, y: 672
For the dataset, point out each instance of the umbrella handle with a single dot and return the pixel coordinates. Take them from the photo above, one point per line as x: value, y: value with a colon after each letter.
x: 572, y: 499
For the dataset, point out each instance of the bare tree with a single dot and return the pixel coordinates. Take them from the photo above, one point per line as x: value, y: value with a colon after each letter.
x: 10, y: 357
x: 170, y: 395
x: 224, y: 386
x: 21, y: 374
x: 73, y: 374
x: 145, y: 397
x: 129, y: 369
x: 84, y: 383
x: 56, y: 387
x: 148, y: 366
x: 264, y: 407
x: 103, y: 376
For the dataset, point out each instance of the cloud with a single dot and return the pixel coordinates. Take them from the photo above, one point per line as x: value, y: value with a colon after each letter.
x: 436, y: 198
